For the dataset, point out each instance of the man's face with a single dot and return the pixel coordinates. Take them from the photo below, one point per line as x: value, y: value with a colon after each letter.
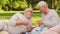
x: 42, y: 9
x: 28, y: 14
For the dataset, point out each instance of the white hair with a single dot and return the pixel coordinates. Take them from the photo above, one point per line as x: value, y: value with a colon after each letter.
x: 42, y: 3
x: 28, y: 9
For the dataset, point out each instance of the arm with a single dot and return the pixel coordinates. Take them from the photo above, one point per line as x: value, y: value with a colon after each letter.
x: 13, y: 20
x: 1, y: 24
x: 18, y: 19
x: 41, y: 28
x: 21, y: 23
x: 52, y: 21
x: 41, y: 25
x: 17, y: 23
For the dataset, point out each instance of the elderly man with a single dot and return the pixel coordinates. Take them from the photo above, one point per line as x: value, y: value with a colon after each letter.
x: 49, y: 16
x: 18, y: 23
x: 28, y: 14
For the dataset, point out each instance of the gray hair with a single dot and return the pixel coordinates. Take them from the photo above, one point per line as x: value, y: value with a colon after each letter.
x: 28, y: 9
x: 42, y: 3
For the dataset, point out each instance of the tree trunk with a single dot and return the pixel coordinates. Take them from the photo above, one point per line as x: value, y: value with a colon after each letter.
x: 0, y: 8
x: 28, y: 4
x: 49, y: 3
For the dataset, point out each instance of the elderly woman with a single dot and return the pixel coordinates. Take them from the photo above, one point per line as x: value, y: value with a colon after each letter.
x: 49, y: 16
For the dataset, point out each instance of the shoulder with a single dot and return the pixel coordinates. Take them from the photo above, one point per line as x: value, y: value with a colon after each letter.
x: 52, y: 11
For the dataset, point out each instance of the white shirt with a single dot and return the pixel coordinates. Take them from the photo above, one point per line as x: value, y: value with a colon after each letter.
x: 30, y: 21
x: 10, y: 27
x: 51, y: 19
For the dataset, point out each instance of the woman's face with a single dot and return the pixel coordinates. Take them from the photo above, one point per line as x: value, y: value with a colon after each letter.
x: 42, y: 9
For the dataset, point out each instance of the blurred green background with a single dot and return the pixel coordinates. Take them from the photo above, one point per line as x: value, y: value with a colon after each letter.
x: 9, y: 7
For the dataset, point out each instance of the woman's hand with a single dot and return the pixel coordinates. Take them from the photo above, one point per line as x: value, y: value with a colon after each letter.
x: 40, y: 22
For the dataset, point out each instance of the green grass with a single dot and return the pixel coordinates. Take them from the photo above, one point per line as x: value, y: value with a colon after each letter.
x: 11, y: 13
x: 16, y: 11
x: 36, y: 19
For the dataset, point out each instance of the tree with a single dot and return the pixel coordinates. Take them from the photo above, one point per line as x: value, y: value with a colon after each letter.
x: 28, y: 2
x: 56, y: 4
x: 32, y: 3
x: 2, y: 3
x: 14, y: 4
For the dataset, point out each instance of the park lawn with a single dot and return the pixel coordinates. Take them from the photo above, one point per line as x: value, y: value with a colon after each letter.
x: 36, y: 19
x: 16, y: 11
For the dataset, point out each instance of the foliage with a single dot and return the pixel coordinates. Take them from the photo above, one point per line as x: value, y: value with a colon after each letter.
x: 22, y: 4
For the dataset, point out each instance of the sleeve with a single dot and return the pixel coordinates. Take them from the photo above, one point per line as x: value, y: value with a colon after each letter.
x: 17, y: 17
x: 1, y: 24
x: 52, y: 20
x: 41, y: 28
x: 13, y: 19
x: 42, y: 16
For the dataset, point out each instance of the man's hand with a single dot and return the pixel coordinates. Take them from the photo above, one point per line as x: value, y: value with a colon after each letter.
x: 40, y: 22
x: 21, y: 23
x: 30, y: 28
x: 25, y: 23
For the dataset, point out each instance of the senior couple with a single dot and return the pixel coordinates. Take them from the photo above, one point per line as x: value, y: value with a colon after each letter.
x: 19, y: 23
